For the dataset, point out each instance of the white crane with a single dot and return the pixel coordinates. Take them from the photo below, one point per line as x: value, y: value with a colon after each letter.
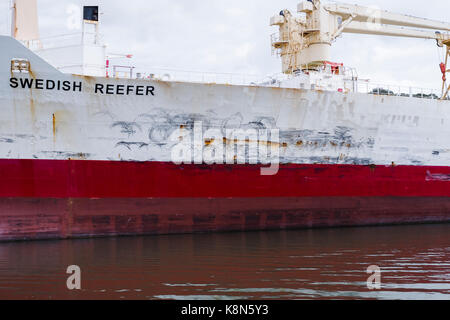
x: 305, y: 41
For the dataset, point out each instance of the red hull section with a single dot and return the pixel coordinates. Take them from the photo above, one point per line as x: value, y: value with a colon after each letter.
x: 62, y: 199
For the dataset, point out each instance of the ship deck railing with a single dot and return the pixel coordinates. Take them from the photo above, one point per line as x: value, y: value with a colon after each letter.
x: 360, y: 85
x: 63, y: 41
x: 168, y: 74
x: 365, y: 86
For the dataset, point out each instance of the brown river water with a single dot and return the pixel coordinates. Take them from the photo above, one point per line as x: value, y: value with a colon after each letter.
x: 304, y: 264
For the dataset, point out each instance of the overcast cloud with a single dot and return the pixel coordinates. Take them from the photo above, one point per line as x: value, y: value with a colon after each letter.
x: 233, y: 36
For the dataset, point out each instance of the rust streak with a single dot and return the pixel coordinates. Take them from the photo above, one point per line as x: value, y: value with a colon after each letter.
x: 54, y: 127
x: 32, y: 75
x: 247, y: 141
x: 33, y: 112
x: 12, y: 68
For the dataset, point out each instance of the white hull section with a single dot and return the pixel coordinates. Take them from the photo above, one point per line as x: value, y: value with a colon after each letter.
x: 135, y: 121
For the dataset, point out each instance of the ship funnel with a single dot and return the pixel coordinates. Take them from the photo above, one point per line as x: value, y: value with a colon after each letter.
x: 24, y: 26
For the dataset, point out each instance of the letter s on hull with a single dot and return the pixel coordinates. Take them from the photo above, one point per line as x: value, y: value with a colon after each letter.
x: 13, y: 83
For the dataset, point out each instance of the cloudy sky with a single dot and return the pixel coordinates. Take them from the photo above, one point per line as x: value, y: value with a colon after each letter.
x: 234, y: 36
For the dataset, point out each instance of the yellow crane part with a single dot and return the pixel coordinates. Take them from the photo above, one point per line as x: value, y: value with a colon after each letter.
x: 445, y: 71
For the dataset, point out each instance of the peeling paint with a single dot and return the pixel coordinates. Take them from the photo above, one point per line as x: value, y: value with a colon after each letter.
x: 437, y: 177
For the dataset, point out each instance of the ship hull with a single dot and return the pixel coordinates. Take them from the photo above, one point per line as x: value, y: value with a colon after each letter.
x: 71, y: 199
x: 84, y: 156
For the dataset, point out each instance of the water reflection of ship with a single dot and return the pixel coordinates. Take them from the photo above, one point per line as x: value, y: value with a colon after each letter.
x: 309, y: 264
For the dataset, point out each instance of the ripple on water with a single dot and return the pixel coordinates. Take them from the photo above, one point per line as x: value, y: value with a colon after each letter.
x: 305, y: 264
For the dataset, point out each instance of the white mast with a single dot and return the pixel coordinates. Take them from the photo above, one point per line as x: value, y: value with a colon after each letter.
x: 24, y: 20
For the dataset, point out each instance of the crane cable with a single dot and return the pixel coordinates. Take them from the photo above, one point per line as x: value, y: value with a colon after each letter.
x: 439, y: 54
